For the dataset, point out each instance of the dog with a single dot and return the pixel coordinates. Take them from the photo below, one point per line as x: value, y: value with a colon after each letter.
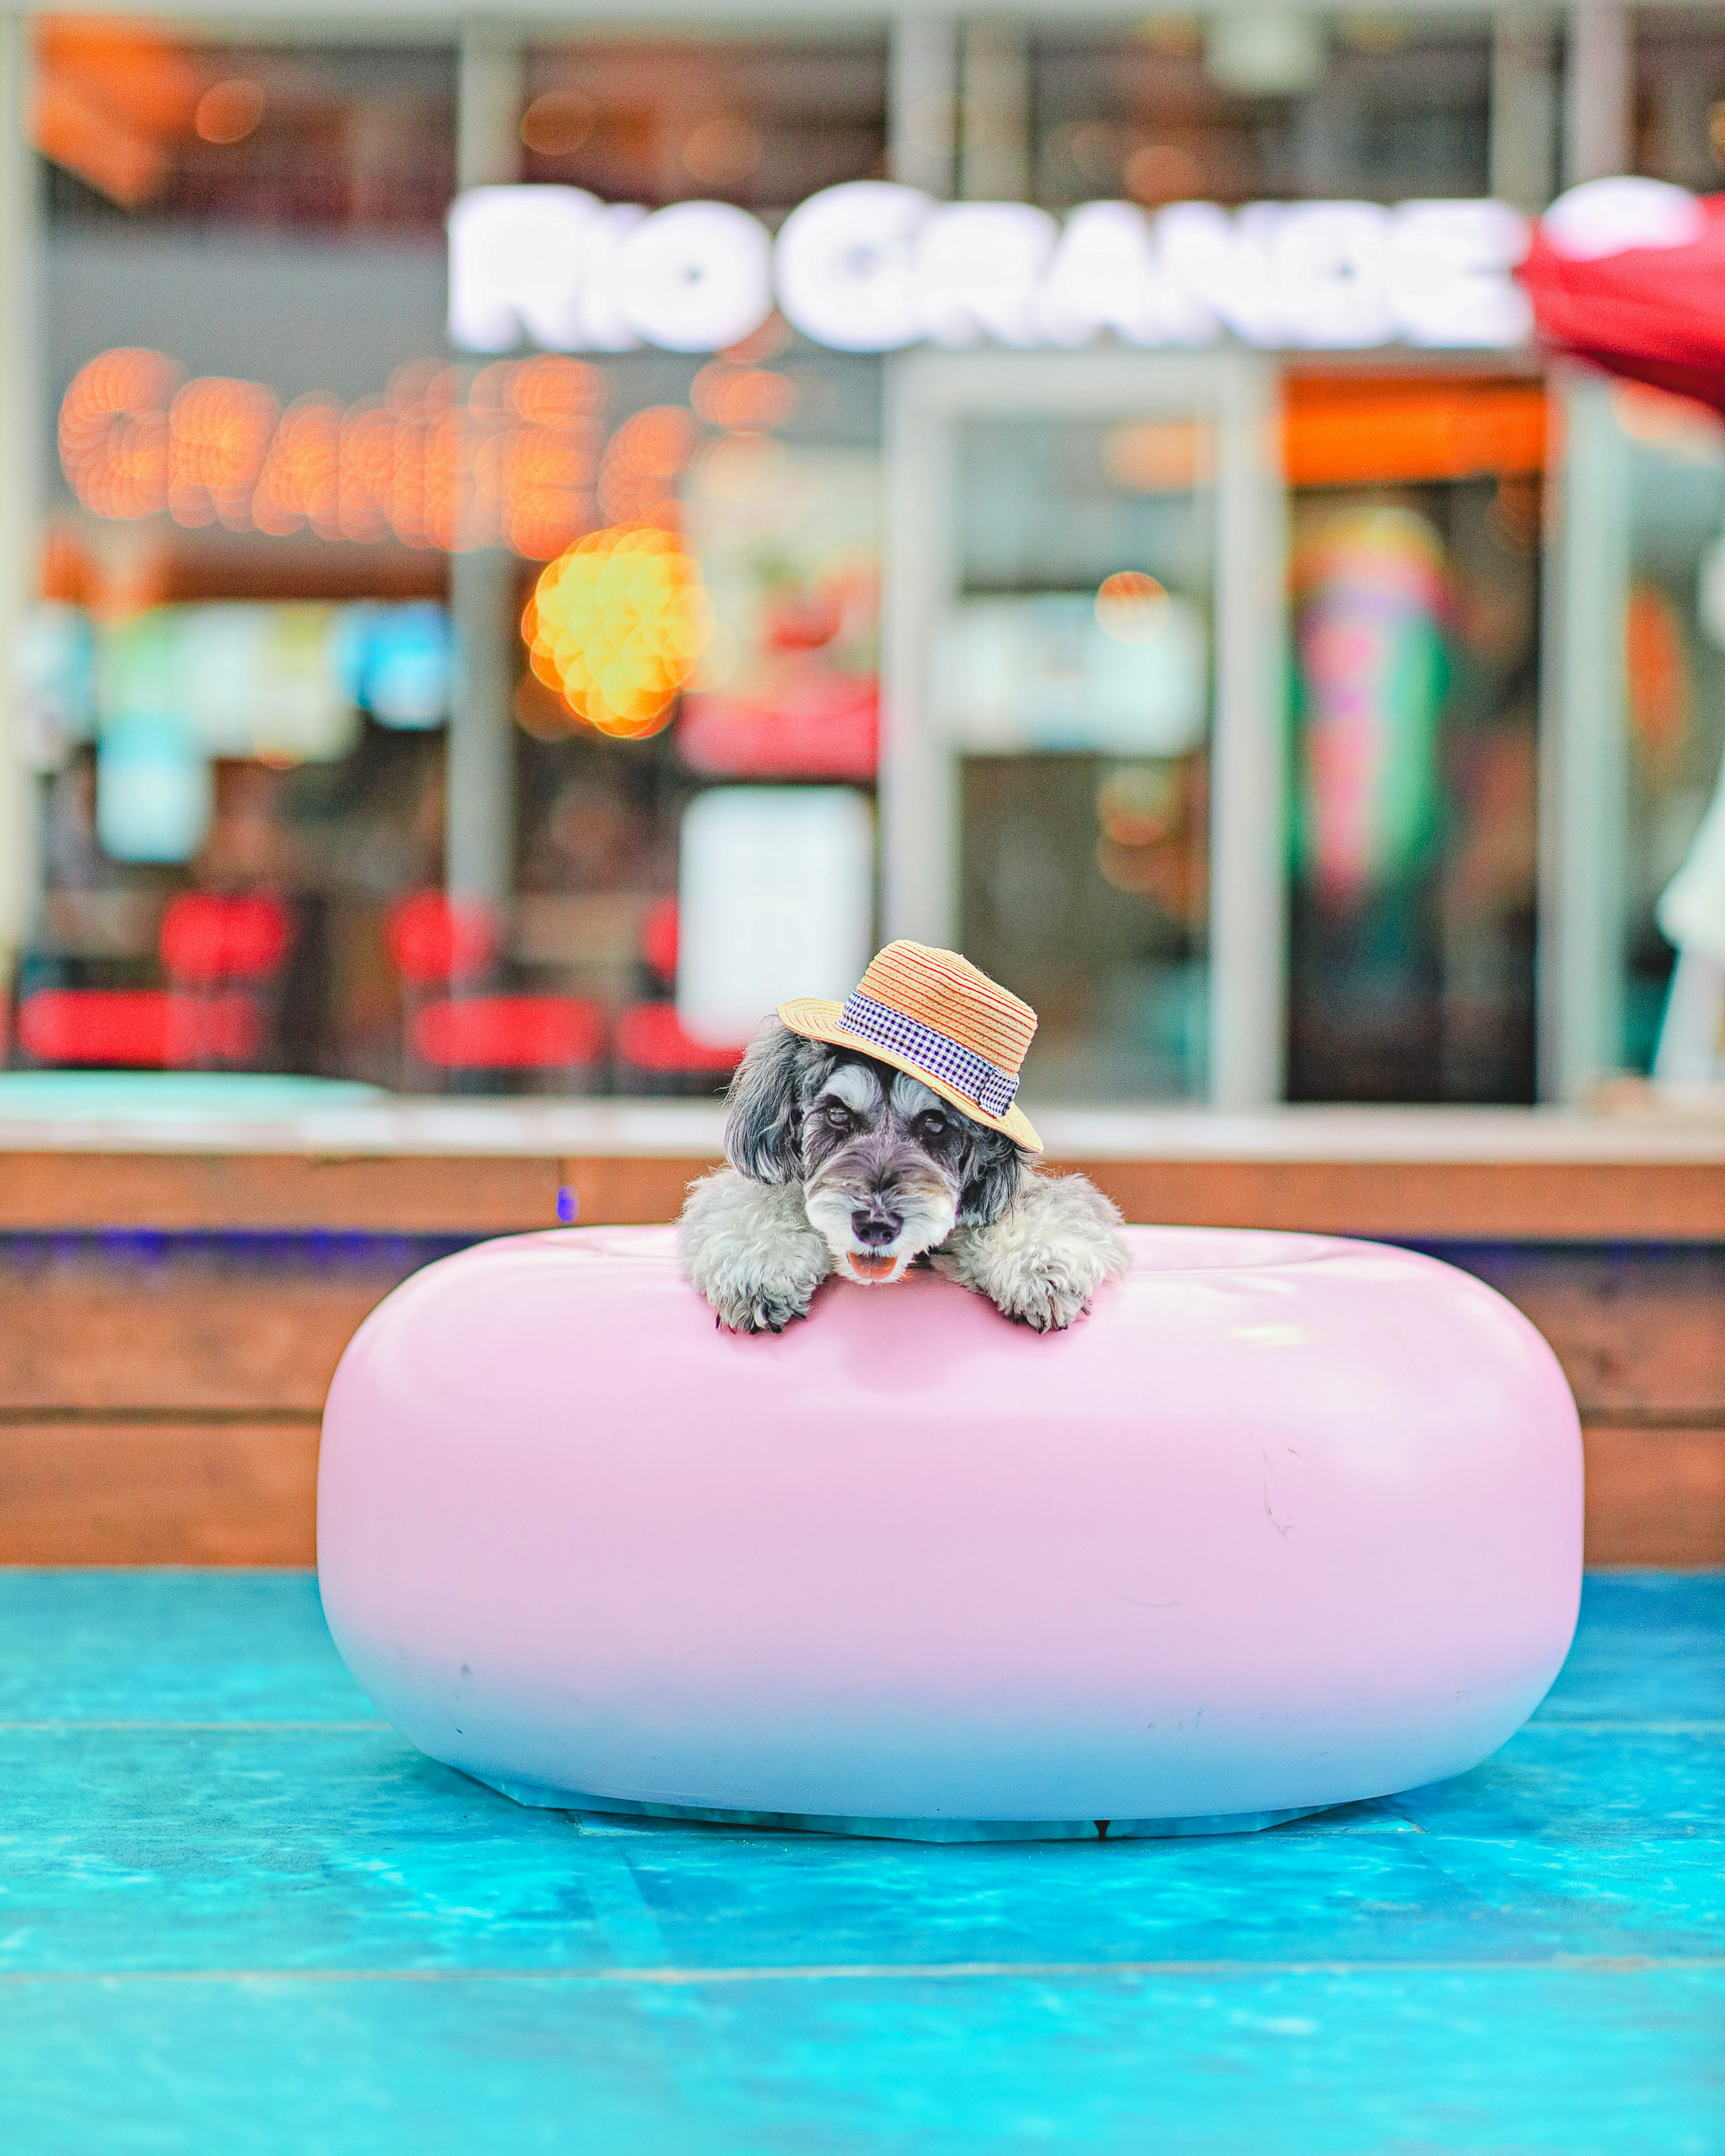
x: 840, y: 1163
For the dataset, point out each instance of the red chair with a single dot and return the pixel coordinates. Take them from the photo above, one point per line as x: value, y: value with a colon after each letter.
x: 435, y: 940
x: 654, y: 1054
x: 208, y: 940
x: 230, y: 949
x: 140, y: 1029
x: 442, y: 949
x: 660, y: 939
x: 223, y: 956
x: 508, y: 1032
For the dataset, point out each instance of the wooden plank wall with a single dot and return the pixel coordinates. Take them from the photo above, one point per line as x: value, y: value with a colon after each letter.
x: 160, y: 1395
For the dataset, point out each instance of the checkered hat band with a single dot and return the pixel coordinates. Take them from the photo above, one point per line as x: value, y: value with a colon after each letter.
x: 986, y: 1083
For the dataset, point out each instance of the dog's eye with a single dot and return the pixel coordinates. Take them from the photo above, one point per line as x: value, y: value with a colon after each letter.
x: 838, y: 1118
x: 932, y: 1125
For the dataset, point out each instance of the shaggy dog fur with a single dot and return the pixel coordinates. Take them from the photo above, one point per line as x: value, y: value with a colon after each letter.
x: 840, y: 1163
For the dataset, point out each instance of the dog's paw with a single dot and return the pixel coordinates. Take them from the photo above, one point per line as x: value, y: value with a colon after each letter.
x: 1047, y: 1303
x: 1041, y: 1263
x: 765, y: 1297
x: 756, y: 1308
x: 748, y: 1248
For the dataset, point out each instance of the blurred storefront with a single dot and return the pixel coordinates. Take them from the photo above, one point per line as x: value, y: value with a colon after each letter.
x: 474, y: 634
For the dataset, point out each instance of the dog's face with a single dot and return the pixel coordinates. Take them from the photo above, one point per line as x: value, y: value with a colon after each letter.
x: 881, y: 1168
x: 888, y: 1167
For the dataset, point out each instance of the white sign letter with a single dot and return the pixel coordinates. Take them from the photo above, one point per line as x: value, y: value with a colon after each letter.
x: 1331, y: 288
x: 844, y: 265
x: 1449, y: 282
x: 694, y: 277
x: 977, y: 270
x: 1222, y: 264
x: 515, y: 267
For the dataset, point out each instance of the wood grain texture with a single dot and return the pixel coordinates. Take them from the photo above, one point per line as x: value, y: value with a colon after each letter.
x: 634, y: 1193
x: 1420, y: 1201
x: 403, y: 1193
x: 1655, y: 1497
x: 176, y: 1338
x: 121, y: 1493
x: 1529, y: 1201
x: 1640, y: 1333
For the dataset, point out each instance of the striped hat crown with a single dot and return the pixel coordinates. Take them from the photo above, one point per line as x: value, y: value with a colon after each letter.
x: 934, y: 1015
x: 944, y: 992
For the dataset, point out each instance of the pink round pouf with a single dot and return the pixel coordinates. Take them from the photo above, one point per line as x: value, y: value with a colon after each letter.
x: 1287, y: 1521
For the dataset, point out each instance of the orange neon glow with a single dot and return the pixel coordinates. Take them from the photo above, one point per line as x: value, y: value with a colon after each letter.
x: 1342, y: 432
x: 218, y: 434
x: 615, y: 626
x: 512, y: 461
x: 114, y: 432
x: 1130, y: 606
x: 745, y: 399
x: 534, y: 452
x: 300, y: 484
x: 227, y: 111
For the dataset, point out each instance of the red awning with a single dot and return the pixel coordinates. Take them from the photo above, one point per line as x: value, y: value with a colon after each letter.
x: 1654, y: 312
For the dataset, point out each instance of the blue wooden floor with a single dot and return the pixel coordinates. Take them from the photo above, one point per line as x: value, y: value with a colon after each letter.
x: 238, y: 1914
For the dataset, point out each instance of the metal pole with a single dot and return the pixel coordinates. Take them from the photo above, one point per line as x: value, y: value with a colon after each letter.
x: 1599, y: 93
x: 994, y: 132
x: 1583, y: 838
x: 479, y: 811
x: 922, y: 102
x: 1524, y: 107
x: 919, y: 838
x: 917, y: 803
x: 1249, y: 934
x: 20, y: 484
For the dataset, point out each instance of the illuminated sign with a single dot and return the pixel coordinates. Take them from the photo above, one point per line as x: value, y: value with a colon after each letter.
x: 509, y: 458
x: 872, y: 266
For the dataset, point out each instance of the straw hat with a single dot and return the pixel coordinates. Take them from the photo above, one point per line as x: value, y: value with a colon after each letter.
x: 932, y: 1014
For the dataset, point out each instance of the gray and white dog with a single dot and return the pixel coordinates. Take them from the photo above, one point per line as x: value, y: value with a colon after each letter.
x: 841, y: 1163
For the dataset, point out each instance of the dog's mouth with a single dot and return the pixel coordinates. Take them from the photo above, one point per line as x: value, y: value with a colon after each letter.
x: 875, y: 1268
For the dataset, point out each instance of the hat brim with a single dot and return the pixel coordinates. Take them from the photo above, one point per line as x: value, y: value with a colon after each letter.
x: 816, y: 1019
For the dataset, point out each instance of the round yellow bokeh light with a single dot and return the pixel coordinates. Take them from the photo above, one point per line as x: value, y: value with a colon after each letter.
x: 615, y: 626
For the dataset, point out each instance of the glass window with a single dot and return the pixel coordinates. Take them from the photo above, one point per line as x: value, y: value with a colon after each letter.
x: 1074, y: 677
x: 1680, y: 95
x: 763, y: 124
x: 140, y: 126
x: 1272, y: 105
x: 242, y: 658
x: 1416, y: 594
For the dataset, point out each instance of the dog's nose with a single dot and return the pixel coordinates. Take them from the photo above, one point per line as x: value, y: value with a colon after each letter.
x: 875, y: 1230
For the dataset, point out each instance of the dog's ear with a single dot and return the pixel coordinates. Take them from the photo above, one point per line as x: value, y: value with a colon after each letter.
x: 992, y: 1182
x: 761, y: 1129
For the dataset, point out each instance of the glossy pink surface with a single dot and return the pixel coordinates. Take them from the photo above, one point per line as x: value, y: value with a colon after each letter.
x: 1288, y: 1521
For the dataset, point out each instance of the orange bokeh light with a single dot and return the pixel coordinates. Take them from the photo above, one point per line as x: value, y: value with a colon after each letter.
x: 109, y: 95
x: 1130, y: 606
x: 227, y: 111
x: 744, y: 398
x: 218, y: 434
x: 646, y: 457
x: 615, y: 626
x: 300, y: 481
x: 114, y: 432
